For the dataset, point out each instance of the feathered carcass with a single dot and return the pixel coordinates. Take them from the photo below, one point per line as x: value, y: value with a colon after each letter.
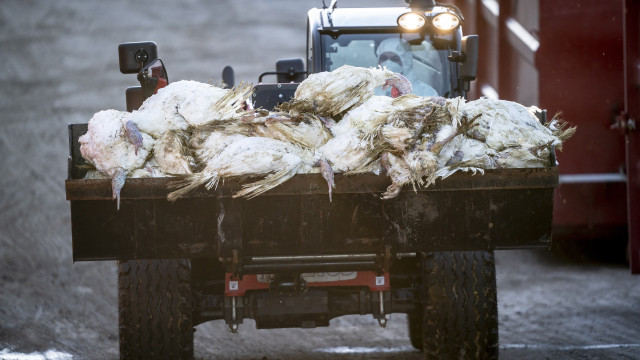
x: 204, y: 134
x: 151, y: 141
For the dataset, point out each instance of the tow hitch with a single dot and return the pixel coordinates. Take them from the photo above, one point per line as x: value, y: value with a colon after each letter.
x: 288, y: 297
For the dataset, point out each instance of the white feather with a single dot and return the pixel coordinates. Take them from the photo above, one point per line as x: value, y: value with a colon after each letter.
x: 169, y: 155
x: 506, y: 124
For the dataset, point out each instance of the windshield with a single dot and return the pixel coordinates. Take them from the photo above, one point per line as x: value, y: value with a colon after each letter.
x: 423, y: 64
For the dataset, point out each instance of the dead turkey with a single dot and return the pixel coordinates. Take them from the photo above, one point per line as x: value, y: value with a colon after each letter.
x: 335, y: 123
x: 107, y: 147
x: 333, y: 93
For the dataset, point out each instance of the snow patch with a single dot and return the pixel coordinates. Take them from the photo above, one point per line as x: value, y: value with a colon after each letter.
x: 7, y: 354
x: 365, y: 350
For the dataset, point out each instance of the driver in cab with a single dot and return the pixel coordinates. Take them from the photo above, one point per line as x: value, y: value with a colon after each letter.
x: 395, y: 55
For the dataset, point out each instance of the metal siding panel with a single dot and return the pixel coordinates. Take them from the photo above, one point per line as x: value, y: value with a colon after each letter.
x: 580, y: 66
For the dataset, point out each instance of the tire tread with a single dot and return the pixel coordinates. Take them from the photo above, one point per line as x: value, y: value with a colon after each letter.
x: 155, y: 310
x: 460, y: 319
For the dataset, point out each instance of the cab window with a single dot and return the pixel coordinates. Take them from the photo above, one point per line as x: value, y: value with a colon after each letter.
x: 423, y: 64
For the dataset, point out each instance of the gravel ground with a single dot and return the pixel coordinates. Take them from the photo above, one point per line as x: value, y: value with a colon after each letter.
x: 58, y: 65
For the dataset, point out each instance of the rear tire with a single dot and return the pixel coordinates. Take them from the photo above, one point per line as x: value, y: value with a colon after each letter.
x: 460, y: 319
x: 155, y: 309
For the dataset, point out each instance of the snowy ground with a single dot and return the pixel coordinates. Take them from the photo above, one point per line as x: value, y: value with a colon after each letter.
x: 58, y: 65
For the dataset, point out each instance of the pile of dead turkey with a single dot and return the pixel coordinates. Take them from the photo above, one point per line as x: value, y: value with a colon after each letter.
x: 203, y: 134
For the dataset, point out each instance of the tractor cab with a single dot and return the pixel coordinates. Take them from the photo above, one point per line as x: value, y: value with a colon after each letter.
x: 423, y: 42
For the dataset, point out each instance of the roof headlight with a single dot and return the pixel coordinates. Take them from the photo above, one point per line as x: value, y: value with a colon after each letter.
x: 411, y: 21
x: 445, y: 21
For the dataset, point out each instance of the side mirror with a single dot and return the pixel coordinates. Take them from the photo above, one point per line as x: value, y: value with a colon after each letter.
x: 287, y: 70
x: 290, y: 70
x: 134, y: 56
x: 469, y: 67
x: 152, y: 78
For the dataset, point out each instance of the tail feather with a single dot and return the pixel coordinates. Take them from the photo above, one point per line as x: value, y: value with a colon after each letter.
x: 234, y: 99
x: 190, y: 183
x: 259, y: 187
x: 297, y: 106
x: 561, y: 129
x: 447, y: 171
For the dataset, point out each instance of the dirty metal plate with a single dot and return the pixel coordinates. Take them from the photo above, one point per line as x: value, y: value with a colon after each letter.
x: 500, y: 209
x: 356, y: 223
x: 307, y: 184
x: 145, y: 228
